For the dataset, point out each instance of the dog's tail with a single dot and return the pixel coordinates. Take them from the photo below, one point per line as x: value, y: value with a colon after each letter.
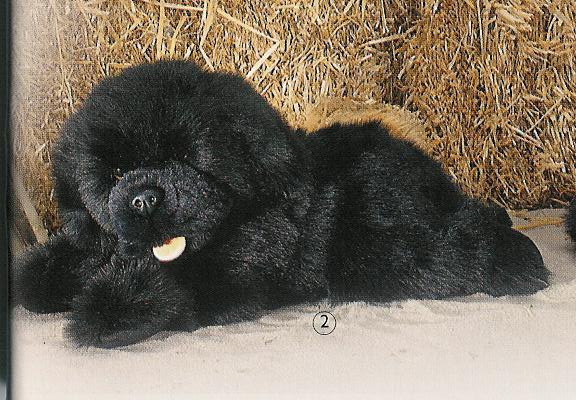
x: 571, y: 220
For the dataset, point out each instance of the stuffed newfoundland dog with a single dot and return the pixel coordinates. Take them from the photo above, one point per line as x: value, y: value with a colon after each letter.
x: 186, y: 201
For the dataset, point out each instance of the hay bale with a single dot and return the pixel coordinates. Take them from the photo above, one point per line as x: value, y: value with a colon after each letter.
x: 493, y: 80
x: 497, y: 82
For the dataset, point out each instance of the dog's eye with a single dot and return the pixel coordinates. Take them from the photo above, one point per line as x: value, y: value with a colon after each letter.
x: 117, y: 174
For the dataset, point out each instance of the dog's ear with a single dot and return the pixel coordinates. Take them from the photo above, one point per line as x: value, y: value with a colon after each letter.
x: 78, y: 224
x: 274, y: 157
x: 243, y: 141
x: 254, y: 161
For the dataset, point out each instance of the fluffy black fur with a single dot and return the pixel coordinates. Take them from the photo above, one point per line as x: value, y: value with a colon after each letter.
x: 271, y: 216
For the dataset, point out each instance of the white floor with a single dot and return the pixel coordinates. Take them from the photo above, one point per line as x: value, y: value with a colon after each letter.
x: 471, y: 348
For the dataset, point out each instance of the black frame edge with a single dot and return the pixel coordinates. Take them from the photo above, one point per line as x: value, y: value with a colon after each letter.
x: 5, y: 150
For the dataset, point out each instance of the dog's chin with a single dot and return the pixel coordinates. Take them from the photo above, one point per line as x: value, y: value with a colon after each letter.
x: 130, y: 249
x: 167, y: 249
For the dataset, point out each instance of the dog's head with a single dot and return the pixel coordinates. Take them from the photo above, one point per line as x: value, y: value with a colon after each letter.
x: 166, y: 151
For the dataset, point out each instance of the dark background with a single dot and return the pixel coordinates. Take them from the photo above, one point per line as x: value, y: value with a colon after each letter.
x: 4, y: 156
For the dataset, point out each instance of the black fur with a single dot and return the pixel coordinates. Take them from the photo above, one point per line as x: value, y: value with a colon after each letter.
x: 271, y: 216
x: 571, y: 220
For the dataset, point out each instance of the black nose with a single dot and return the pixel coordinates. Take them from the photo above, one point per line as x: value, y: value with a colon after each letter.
x: 148, y: 200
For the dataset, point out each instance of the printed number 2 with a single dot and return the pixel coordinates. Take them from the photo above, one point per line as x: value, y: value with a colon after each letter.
x: 324, y: 323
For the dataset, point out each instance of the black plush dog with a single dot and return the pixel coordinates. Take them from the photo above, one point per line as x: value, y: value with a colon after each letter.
x: 186, y: 200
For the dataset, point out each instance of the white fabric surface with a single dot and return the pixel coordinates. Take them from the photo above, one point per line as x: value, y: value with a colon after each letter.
x: 470, y: 348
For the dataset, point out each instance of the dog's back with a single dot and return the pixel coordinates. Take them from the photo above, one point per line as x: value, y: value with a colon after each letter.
x: 400, y: 227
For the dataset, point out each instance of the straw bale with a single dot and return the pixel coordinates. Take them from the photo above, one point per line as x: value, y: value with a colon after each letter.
x: 496, y: 81
x: 493, y: 81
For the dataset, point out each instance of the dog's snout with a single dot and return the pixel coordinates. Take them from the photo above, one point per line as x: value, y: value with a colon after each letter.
x: 147, y: 200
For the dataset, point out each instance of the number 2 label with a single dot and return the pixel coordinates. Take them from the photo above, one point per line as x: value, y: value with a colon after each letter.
x: 324, y: 323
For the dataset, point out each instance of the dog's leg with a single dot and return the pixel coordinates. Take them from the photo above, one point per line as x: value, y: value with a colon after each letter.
x: 265, y: 263
x: 127, y: 301
x: 46, y: 277
x: 481, y: 243
x: 518, y: 267
x: 475, y: 250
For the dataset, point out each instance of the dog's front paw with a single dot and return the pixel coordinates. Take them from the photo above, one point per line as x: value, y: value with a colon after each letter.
x: 47, y: 276
x: 126, y: 302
